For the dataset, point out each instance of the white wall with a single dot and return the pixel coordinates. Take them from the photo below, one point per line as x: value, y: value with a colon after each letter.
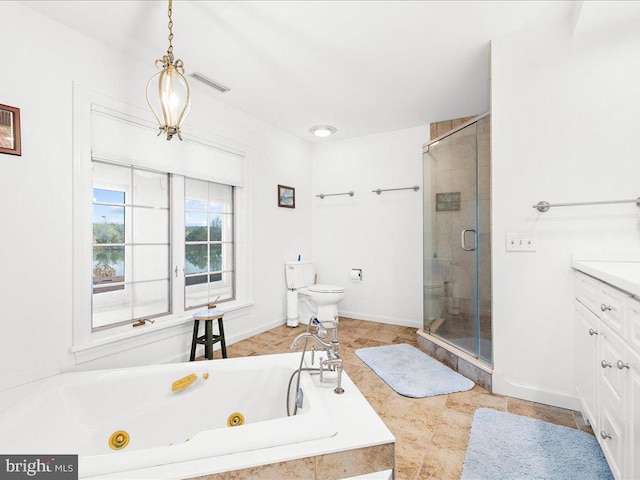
x: 36, y: 196
x: 566, y: 126
x: 381, y: 234
x: 566, y: 119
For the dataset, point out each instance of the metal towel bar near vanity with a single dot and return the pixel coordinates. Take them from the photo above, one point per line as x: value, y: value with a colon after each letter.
x: 545, y: 206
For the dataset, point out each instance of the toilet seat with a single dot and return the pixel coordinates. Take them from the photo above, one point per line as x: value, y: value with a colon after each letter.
x: 326, y: 289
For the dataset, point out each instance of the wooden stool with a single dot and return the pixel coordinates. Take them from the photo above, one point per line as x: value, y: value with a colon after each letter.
x: 208, y: 339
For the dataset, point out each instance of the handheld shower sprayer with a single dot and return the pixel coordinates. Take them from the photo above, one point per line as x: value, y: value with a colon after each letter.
x: 322, y: 332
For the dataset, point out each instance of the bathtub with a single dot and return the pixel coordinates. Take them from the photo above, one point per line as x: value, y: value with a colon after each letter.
x: 77, y: 413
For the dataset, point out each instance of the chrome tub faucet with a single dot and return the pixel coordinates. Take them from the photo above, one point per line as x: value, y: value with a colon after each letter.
x: 333, y: 362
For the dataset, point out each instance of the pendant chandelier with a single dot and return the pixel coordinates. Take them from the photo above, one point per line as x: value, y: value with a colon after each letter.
x: 172, y: 97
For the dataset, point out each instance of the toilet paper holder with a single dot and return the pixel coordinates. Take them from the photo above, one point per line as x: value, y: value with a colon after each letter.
x: 356, y: 275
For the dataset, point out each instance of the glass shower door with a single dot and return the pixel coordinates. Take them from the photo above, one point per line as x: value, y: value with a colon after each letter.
x: 457, y: 285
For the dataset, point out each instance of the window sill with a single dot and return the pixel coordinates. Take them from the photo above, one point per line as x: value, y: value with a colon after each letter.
x: 130, y: 338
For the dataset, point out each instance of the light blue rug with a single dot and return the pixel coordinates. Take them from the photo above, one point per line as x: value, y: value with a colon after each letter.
x: 504, y: 446
x: 411, y: 372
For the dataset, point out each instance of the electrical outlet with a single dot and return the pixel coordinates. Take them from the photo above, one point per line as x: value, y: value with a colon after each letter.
x: 521, y: 242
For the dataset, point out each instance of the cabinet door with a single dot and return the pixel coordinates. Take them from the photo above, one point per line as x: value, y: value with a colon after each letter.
x: 586, y: 362
x: 588, y: 291
x: 611, y: 434
x: 633, y: 417
x: 612, y: 304
x: 612, y: 379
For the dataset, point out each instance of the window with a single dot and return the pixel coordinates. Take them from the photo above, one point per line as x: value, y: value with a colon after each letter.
x: 130, y: 234
x: 208, y: 243
x: 131, y: 265
x: 108, y: 240
x: 130, y: 268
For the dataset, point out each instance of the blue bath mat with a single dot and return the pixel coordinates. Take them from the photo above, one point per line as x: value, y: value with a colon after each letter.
x: 411, y: 372
x: 504, y: 446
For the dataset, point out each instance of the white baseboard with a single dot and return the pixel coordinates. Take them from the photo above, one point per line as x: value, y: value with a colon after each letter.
x: 230, y: 340
x: 27, y: 376
x: 503, y: 386
x: 380, y: 319
x: 254, y: 331
x: 180, y: 358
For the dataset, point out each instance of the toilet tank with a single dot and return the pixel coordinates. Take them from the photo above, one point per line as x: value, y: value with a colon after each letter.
x: 299, y: 274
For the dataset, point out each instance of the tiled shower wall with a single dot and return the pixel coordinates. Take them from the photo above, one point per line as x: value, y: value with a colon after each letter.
x: 441, y: 128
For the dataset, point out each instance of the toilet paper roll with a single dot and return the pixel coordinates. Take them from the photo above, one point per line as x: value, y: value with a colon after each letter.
x: 292, y: 305
x: 356, y: 275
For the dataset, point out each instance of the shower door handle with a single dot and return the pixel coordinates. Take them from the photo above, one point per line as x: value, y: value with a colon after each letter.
x: 464, y: 243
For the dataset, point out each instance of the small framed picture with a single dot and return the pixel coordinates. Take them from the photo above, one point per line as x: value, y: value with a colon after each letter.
x: 448, y: 202
x: 10, y: 130
x: 286, y: 196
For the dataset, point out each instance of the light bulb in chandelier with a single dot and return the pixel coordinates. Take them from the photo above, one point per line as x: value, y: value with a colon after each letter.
x: 171, y: 102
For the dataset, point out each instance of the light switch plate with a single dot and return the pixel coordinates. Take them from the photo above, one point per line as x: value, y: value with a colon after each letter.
x: 521, y: 242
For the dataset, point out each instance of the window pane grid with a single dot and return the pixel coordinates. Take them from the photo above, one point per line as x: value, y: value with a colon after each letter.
x: 131, y: 271
x: 206, y: 243
x: 142, y: 281
x: 134, y: 205
x: 209, y: 249
x: 131, y: 244
x: 207, y: 273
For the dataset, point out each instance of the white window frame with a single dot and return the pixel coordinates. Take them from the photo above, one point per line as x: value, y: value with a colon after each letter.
x: 201, y: 155
x: 222, y: 242
x: 130, y: 229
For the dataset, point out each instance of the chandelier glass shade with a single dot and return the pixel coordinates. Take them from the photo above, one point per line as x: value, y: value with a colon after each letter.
x: 168, y: 93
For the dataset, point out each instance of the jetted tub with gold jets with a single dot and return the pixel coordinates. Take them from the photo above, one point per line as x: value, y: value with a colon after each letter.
x: 86, y: 413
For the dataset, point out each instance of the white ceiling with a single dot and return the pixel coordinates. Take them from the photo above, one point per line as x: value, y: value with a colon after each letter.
x: 361, y: 66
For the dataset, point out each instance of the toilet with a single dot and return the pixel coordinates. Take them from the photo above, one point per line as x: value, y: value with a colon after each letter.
x: 320, y: 301
x: 433, y: 293
x: 437, y: 274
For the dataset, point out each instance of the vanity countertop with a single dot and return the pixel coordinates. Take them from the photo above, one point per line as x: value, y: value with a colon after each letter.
x: 623, y: 274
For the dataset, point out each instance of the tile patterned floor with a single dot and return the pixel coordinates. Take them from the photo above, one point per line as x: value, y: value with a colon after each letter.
x: 431, y: 433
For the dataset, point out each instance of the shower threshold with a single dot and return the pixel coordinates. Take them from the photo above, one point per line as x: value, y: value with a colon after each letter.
x: 456, y: 359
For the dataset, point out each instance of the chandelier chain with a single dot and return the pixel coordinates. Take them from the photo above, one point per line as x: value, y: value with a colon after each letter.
x: 170, y: 25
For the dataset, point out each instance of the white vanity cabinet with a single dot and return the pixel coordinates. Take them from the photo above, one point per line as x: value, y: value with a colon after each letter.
x: 607, y: 329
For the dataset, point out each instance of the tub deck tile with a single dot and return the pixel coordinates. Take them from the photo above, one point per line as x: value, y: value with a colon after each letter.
x: 331, y: 466
x: 355, y: 462
x: 303, y: 469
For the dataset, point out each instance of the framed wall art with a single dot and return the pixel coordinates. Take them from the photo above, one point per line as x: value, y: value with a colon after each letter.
x: 10, y: 130
x: 286, y: 196
x: 448, y: 202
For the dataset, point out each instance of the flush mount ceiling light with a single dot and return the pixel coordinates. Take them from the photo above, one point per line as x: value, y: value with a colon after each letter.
x: 173, y: 96
x: 323, y: 130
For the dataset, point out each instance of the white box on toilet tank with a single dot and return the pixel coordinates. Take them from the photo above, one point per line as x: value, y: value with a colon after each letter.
x: 299, y: 274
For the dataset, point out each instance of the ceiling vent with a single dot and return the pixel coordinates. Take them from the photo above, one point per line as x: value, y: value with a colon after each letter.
x: 207, y: 81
